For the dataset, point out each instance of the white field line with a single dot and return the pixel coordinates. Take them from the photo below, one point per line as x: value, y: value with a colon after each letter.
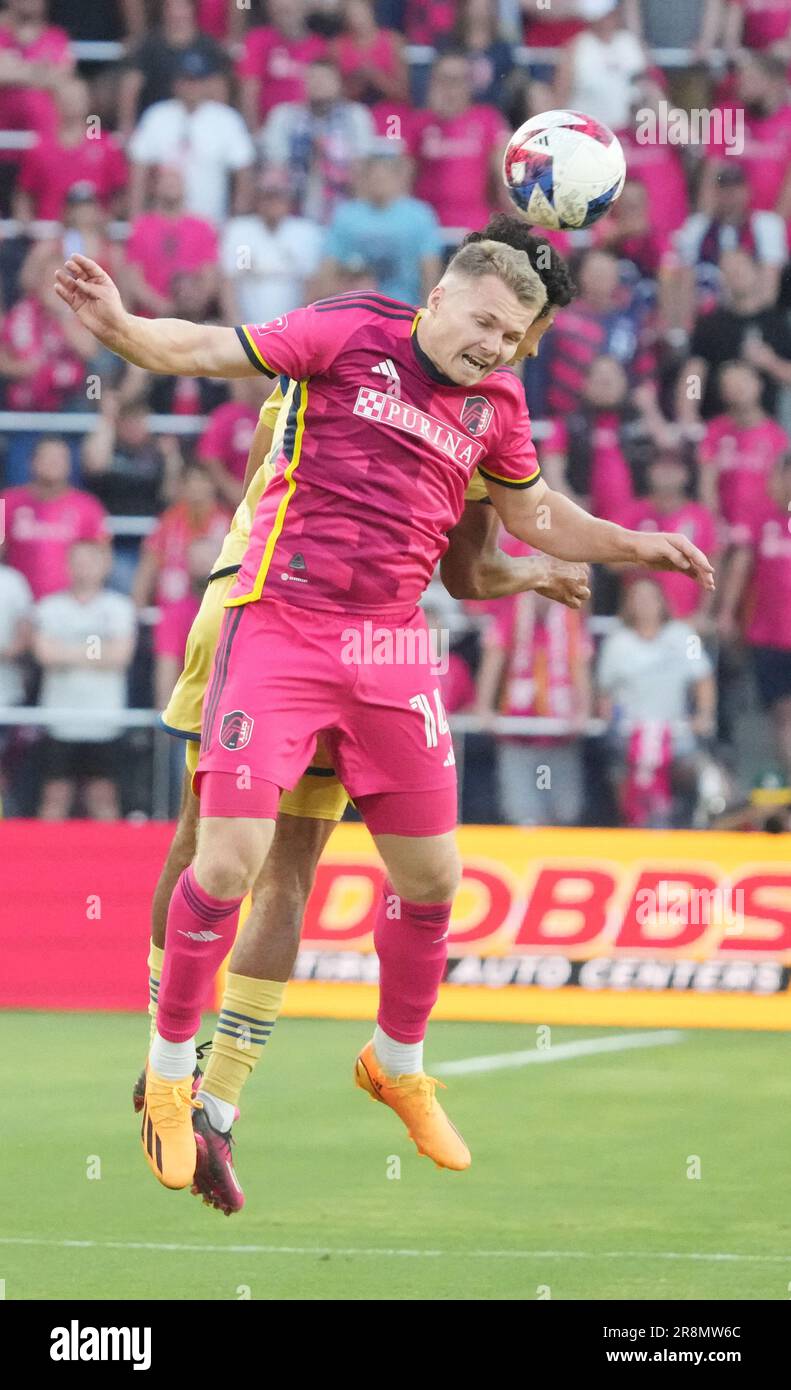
x: 379, y: 1251
x: 585, y: 1047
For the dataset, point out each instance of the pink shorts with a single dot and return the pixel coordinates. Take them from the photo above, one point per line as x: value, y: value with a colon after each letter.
x: 284, y: 674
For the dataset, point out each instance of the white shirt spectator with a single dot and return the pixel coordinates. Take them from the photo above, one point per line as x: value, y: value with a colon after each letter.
x: 269, y: 266
x: 16, y: 605
x: 602, y: 76
x: 650, y: 680
x: 108, y: 616
x: 208, y: 144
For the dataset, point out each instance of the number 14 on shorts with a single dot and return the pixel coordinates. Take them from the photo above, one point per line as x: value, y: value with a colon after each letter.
x: 435, y: 720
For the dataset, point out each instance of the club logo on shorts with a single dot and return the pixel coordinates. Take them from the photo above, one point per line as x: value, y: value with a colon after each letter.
x: 236, y: 730
x: 476, y: 414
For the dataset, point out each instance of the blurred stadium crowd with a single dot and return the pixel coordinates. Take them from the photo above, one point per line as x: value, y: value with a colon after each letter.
x: 228, y: 162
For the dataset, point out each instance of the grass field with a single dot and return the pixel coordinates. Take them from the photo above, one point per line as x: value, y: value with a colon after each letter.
x: 579, y: 1183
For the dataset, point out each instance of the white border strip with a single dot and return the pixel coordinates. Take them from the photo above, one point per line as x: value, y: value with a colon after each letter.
x: 376, y: 1252
x: 585, y: 1047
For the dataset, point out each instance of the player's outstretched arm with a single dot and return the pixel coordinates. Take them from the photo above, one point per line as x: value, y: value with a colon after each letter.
x: 172, y: 346
x: 558, y: 526
x: 474, y: 566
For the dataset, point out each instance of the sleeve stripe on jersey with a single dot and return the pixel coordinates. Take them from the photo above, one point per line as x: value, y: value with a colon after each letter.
x: 254, y: 355
x: 365, y: 297
x: 371, y: 308
x: 510, y: 482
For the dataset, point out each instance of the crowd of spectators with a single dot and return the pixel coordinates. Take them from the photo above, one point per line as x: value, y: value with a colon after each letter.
x: 233, y: 161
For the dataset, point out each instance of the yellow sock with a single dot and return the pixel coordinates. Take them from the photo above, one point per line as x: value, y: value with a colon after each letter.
x: 249, y: 1011
x: 156, y: 957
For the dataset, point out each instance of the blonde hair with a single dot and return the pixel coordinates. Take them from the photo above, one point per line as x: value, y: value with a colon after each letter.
x: 509, y: 265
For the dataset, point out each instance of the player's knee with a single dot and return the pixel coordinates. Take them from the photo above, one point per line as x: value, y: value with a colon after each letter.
x: 436, y: 883
x: 226, y: 869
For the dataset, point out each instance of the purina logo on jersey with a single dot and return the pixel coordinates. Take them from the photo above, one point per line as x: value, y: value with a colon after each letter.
x: 476, y: 414
x: 386, y: 410
x: 236, y: 730
x: 388, y: 369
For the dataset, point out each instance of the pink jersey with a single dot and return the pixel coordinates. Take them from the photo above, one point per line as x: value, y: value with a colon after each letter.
x: 611, y: 486
x: 49, y: 170
x: 167, y: 246
x: 765, y: 21
x: 228, y: 436
x: 377, y: 454
x: 33, y: 334
x: 659, y: 169
x: 32, y: 108
x: 279, y: 64
x: 453, y: 163
x: 39, y: 532
x: 769, y: 621
x: 383, y: 54
x: 744, y: 460
x: 692, y: 520
x: 765, y: 156
x: 213, y: 18
x: 170, y: 541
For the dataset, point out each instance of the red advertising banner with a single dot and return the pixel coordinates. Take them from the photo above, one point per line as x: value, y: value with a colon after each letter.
x: 627, y: 928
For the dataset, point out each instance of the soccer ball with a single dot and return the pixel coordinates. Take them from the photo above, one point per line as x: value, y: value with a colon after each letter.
x: 564, y: 169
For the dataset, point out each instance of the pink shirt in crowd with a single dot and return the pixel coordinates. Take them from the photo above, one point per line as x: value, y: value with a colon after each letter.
x: 164, y: 246
x: 611, y: 488
x: 213, y: 18
x: 228, y: 436
x: 692, y: 520
x: 744, y: 459
x: 40, y: 531
x: 765, y: 157
x: 48, y: 171
x: 29, y: 108
x: 175, y: 621
x: 765, y: 21
x: 30, y: 332
x: 659, y: 169
x: 769, y: 621
x: 382, y: 54
x: 425, y: 21
x: 279, y: 64
x: 453, y: 161
x: 170, y: 542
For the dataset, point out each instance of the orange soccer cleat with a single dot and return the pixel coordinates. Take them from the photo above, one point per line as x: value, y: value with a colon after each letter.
x: 166, y: 1132
x: 414, y: 1101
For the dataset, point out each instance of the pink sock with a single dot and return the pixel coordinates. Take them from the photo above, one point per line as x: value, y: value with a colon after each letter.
x: 200, y: 933
x: 412, y: 950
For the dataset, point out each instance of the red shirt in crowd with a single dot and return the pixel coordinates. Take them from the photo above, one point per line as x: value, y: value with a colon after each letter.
x: 170, y: 541
x: 39, y: 532
x: 30, y: 332
x: 229, y: 435
x: 426, y: 21
x: 279, y: 64
x: 49, y: 170
x: 692, y: 520
x: 769, y: 606
x: 30, y: 108
x: 164, y: 246
x: 765, y: 21
x: 213, y: 18
x: 383, y: 54
x: 744, y: 459
x: 453, y: 162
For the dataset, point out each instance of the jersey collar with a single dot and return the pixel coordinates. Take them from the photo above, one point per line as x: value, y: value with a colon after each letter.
x: 424, y: 361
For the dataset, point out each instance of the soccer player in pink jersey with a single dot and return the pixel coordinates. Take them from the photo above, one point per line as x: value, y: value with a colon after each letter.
x: 394, y: 409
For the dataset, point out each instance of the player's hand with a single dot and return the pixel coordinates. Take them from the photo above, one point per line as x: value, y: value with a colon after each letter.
x: 666, y: 550
x: 93, y: 296
x: 563, y: 581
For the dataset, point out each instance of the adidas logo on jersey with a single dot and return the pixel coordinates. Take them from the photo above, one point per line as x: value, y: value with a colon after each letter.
x: 388, y: 369
x: 200, y: 935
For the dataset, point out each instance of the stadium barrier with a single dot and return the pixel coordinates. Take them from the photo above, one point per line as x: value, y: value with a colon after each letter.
x: 616, y: 927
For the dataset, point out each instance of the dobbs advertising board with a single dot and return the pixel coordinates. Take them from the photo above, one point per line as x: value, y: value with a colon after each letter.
x: 632, y: 928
